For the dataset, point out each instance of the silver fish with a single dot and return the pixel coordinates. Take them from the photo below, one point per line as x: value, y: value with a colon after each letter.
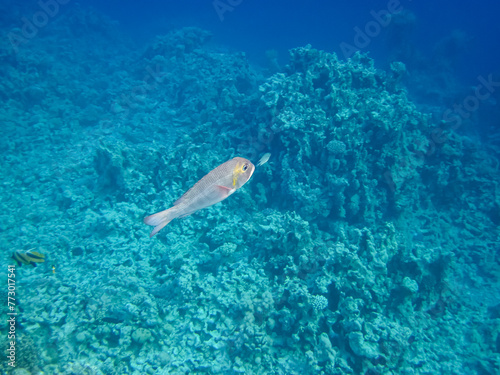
x: 214, y: 187
x: 264, y: 159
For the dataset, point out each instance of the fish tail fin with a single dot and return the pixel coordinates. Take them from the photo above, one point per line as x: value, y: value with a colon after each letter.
x: 160, y: 220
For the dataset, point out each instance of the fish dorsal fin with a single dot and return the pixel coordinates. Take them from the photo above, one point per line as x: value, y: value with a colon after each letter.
x: 35, y: 254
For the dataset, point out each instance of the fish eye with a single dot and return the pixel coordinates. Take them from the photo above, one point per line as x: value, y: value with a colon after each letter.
x: 245, y: 167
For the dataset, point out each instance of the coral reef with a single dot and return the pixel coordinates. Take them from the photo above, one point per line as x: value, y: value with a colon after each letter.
x: 360, y: 247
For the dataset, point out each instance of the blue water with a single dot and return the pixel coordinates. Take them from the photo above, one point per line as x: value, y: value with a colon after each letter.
x: 367, y: 244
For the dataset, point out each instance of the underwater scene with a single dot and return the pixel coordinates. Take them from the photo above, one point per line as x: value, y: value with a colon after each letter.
x: 249, y: 187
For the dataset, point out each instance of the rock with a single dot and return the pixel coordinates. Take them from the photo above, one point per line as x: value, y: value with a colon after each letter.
x: 410, y: 285
x: 81, y: 337
x: 361, y: 347
x: 141, y: 335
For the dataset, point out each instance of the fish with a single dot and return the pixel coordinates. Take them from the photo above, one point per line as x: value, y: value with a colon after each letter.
x: 264, y: 159
x: 214, y: 187
x: 28, y: 257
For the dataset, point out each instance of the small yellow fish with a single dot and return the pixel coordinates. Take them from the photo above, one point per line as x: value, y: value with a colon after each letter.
x: 264, y: 159
x: 28, y: 257
x: 214, y: 187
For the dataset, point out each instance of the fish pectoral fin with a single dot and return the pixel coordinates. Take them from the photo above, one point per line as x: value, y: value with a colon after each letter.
x: 224, y: 188
x: 224, y: 191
